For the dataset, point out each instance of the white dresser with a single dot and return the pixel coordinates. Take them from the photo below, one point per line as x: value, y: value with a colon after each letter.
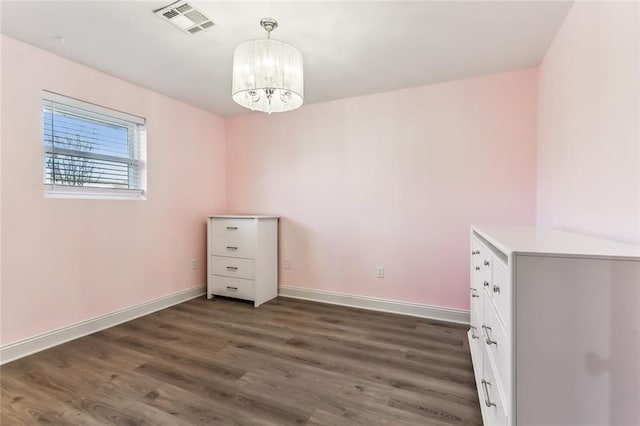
x: 555, y: 327
x: 242, y: 253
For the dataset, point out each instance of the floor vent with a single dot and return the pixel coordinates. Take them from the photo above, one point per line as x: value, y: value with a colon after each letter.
x: 185, y: 16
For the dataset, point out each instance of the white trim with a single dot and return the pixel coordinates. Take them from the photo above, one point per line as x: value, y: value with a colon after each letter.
x: 460, y: 316
x: 93, y: 193
x: 111, y: 113
x: 30, y: 345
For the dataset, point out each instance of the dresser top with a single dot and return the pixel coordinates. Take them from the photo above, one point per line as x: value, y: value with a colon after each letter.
x: 241, y: 216
x: 534, y: 240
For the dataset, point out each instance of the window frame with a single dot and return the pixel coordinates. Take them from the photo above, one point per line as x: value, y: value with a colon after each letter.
x: 136, y: 144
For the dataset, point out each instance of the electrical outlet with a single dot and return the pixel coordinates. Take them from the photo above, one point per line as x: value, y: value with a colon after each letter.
x: 287, y: 264
x: 380, y: 271
x: 194, y: 264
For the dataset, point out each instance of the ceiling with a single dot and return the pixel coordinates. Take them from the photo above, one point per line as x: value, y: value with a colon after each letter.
x: 350, y: 48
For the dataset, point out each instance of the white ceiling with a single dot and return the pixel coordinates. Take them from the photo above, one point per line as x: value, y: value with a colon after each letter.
x: 350, y: 48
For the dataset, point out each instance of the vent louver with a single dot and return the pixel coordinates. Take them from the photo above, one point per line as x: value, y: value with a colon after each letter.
x: 196, y: 16
x: 184, y: 8
x: 171, y: 14
x: 185, y: 16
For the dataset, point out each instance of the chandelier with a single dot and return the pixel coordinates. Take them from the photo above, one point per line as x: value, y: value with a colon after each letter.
x: 267, y: 74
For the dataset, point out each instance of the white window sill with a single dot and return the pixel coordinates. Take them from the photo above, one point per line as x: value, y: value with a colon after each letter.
x: 94, y: 193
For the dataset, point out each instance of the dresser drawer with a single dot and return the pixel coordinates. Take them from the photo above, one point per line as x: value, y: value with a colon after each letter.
x: 232, y: 287
x: 475, y: 248
x: 476, y: 301
x: 500, y: 291
x: 476, y: 314
x: 233, y: 247
x: 485, y: 264
x: 498, y: 346
x: 481, y: 259
x: 233, y: 267
x: 476, y: 295
x: 478, y: 250
x: 475, y: 348
x: 233, y: 227
x: 477, y: 277
x: 491, y: 402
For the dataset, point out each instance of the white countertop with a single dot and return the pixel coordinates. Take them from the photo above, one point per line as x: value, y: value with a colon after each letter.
x: 242, y: 216
x: 534, y: 240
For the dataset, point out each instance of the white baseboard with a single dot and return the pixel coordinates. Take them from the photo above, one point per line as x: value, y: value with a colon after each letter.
x: 460, y: 316
x: 28, y: 346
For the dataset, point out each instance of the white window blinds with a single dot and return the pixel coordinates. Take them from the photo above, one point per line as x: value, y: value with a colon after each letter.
x: 92, y: 150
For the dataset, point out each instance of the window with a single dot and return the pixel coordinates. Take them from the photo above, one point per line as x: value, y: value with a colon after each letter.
x: 91, y: 151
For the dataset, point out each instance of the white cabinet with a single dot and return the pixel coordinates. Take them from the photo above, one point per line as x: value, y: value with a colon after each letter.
x: 555, y: 327
x: 242, y: 253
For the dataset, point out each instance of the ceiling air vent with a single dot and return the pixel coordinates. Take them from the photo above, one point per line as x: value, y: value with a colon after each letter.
x: 185, y: 16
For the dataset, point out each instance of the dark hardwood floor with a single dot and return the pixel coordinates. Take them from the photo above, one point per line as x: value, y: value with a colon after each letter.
x: 223, y: 362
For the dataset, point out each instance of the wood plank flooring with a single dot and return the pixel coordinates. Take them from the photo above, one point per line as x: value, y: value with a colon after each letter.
x: 224, y: 362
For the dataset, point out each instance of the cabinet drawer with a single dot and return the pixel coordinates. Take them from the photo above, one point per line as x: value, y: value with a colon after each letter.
x: 475, y: 348
x: 477, y: 250
x: 232, y: 287
x: 485, y: 264
x: 480, y: 261
x: 233, y: 227
x: 475, y: 345
x: 500, y: 291
x: 475, y: 247
x: 476, y: 301
x: 232, y: 267
x: 498, y: 346
x: 491, y: 403
x: 233, y: 247
x: 477, y: 277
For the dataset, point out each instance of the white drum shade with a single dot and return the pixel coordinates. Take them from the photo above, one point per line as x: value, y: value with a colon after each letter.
x: 267, y: 76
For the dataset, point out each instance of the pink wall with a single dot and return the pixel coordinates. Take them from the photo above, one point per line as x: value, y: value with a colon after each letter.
x: 589, y: 123
x: 392, y: 179
x: 65, y: 260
